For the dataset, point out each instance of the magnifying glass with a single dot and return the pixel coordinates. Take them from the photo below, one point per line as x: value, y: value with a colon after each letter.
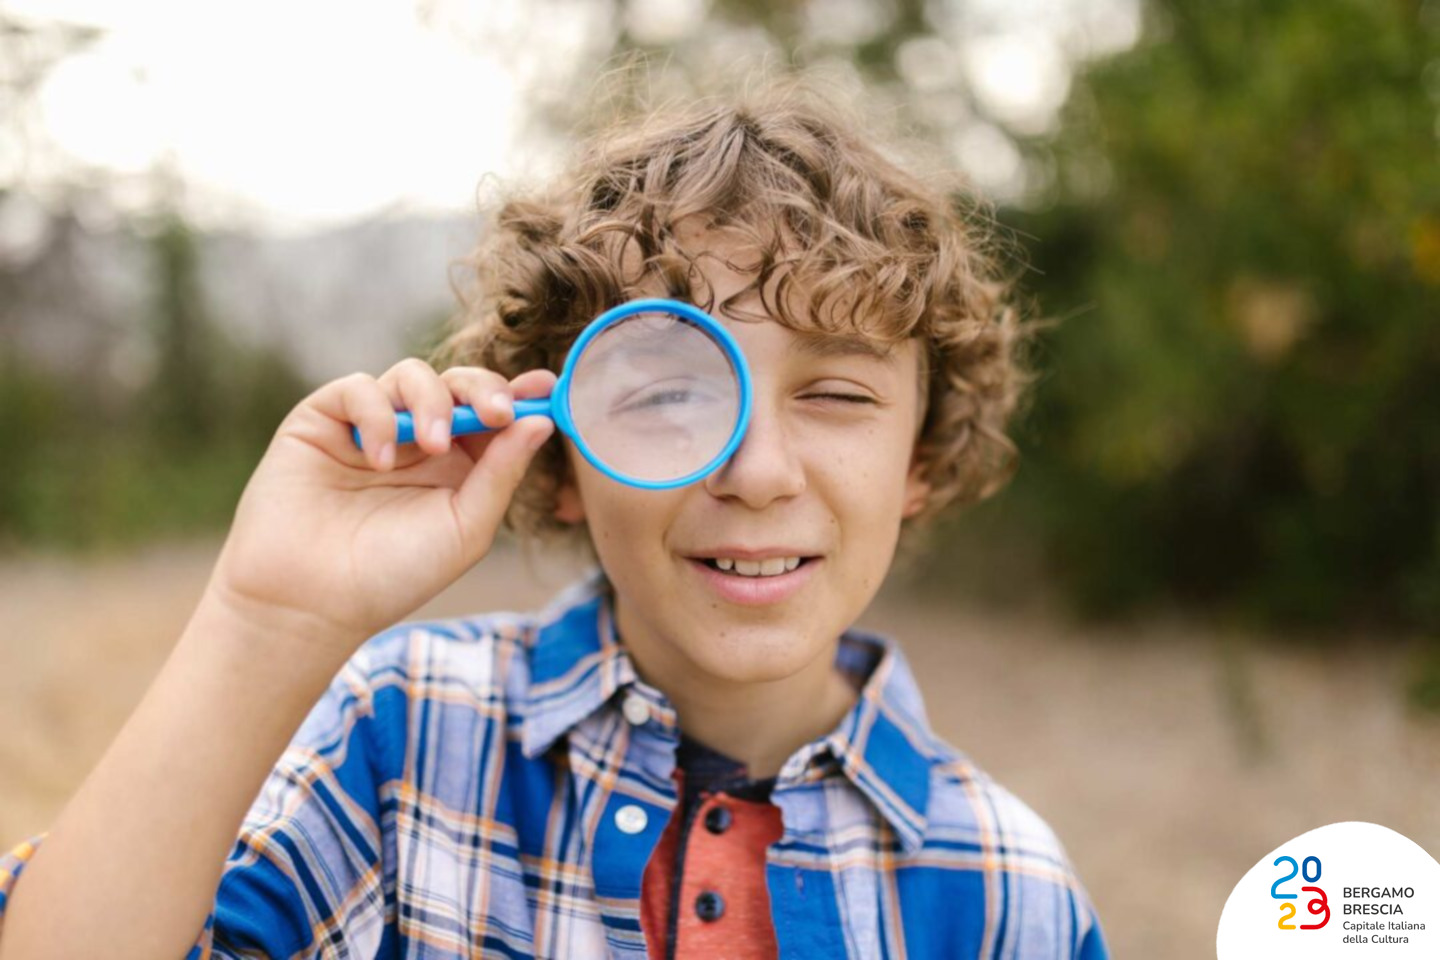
x: 654, y: 393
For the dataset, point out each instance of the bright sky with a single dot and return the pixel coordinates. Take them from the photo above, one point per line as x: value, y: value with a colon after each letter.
x: 301, y: 114
x: 307, y: 112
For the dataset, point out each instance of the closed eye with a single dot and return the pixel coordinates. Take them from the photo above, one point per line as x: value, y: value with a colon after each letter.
x: 847, y: 397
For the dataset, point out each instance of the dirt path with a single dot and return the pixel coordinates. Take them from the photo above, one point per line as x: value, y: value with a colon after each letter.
x: 1129, y: 743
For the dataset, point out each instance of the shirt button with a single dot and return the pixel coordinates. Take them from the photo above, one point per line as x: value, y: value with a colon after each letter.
x: 709, y: 906
x: 717, y: 819
x: 636, y: 710
x: 631, y: 819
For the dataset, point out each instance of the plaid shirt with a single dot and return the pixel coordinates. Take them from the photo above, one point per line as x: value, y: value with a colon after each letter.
x: 493, y: 786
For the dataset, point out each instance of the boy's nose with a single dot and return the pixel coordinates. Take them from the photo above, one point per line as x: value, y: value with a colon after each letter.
x: 765, y: 467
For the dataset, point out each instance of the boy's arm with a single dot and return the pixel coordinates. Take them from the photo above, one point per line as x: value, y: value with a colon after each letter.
x: 132, y: 865
x: 331, y: 543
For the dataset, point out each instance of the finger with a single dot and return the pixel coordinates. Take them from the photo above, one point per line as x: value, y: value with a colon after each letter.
x: 530, y: 385
x: 415, y: 386
x: 488, y: 393
x: 481, y: 501
x: 534, y: 383
x: 485, y: 390
x: 359, y: 399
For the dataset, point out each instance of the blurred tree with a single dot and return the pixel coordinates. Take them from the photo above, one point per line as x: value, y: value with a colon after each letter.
x: 1248, y: 413
x: 212, y: 403
x: 29, y: 51
x: 181, y: 398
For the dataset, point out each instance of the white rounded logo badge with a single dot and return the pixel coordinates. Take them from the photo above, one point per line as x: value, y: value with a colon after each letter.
x: 1335, y: 892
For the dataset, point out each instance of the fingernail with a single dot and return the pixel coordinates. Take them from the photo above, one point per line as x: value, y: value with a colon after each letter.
x: 387, y: 456
x: 538, y: 438
x: 439, y: 432
x: 502, y: 403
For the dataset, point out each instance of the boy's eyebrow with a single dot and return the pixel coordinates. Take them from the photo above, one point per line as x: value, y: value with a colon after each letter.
x: 838, y: 345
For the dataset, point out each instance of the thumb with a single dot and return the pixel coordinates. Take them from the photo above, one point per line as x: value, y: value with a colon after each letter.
x: 485, y: 495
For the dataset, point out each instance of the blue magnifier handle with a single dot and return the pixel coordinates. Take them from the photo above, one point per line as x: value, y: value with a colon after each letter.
x: 463, y: 420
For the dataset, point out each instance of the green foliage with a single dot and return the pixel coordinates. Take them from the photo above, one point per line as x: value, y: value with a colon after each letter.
x: 85, y: 471
x: 1423, y: 687
x: 1246, y: 409
x: 181, y: 401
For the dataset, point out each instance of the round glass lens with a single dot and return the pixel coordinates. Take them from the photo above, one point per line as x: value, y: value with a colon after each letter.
x: 654, y: 397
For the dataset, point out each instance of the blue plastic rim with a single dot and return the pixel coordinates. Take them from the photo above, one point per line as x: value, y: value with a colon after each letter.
x: 560, y: 398
x: 557, y: 405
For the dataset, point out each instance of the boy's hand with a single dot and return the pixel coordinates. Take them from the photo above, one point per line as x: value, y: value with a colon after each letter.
x: 339, y: 543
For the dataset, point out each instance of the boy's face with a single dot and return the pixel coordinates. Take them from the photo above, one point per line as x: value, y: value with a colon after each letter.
x: 817, y: 476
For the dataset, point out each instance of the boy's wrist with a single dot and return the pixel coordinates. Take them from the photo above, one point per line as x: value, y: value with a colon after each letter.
x: 269, y: 637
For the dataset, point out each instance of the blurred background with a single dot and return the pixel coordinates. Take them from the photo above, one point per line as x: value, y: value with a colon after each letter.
x: 1203, y: 618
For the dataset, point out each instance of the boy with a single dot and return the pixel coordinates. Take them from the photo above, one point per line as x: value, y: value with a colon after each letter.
x: 690, y: 753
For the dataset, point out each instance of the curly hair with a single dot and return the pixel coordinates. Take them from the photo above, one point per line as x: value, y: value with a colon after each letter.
x: 845, y: 242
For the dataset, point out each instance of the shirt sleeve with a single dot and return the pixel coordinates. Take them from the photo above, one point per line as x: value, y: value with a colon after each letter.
x: 306, y: 877
x: 1091, y: 944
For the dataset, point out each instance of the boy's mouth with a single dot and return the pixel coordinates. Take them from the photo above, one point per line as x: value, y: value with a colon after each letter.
x: 760, y: 579
x: 741, y: 567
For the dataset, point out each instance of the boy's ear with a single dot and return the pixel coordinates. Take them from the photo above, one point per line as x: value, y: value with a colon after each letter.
x: 917, y: 489
x: 569, y: 508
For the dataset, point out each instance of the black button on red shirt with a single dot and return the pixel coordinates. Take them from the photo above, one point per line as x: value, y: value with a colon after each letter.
x: 709, y: 906
x: 717, y: 819
x: 683, y: 898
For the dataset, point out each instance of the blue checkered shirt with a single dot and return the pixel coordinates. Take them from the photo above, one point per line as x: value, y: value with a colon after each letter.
x: 478, y: 787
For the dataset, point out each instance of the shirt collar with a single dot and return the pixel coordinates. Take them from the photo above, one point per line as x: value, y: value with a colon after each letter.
x: 883, y: 744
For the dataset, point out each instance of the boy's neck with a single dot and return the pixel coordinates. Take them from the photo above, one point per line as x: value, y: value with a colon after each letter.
x: 759, y: 724
x: 762, y: 725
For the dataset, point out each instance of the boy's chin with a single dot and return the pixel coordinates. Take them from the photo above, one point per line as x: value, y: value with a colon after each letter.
x: 757, y: 656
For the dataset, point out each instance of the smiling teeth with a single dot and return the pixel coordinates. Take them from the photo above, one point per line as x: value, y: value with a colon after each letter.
x: 768, y: 567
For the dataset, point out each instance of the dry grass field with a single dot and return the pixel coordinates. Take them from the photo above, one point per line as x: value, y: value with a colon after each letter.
x: 1169, y: 758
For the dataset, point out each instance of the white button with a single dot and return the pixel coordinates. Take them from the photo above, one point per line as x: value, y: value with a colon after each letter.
x: 636, y: 710
x: 631, y: 819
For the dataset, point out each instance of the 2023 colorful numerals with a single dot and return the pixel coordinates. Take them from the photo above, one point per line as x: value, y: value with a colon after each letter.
x: 1317, y: 906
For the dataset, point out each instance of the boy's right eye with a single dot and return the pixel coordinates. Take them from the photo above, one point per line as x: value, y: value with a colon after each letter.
x: 661, y: 397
